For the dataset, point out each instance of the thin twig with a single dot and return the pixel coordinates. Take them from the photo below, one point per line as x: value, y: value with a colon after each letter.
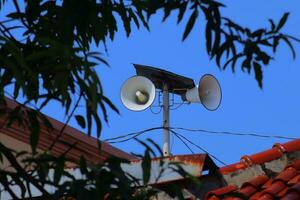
x: 66, y: 124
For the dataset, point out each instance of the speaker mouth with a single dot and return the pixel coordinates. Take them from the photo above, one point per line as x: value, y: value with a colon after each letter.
x: 142, y: 97
x: 137, y: 93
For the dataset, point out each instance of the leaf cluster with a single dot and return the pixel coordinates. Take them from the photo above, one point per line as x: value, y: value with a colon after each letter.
x: 229, y: 42
x: 253, y: 48
x: 47, y: 176
x: 52, y: 60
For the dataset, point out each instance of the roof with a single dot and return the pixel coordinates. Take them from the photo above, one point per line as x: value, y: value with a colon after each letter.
x: 286, y: 185
x: 196, y: 165
x: 268, y: 175
x: 274, y: 153
x: 86, y: 146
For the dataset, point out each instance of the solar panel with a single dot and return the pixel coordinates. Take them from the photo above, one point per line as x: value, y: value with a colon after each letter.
x: 177, y: 84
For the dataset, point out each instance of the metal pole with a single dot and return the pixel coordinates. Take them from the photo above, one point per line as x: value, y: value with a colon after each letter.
x: 166, y: 120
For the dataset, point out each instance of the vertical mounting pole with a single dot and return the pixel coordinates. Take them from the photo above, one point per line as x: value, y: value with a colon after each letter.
x: 166, y: 120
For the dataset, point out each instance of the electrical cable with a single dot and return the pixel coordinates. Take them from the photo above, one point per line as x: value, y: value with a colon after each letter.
x: 179, y: 105
x: 151, y: 109
x: 233, y: 133
x: 202, y: 149
x: 179, y: 137
x: 159, y: 105
x: 134, y: 135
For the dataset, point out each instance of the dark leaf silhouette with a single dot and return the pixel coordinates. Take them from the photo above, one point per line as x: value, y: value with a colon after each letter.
x: 190, y: 24
x: 80, y: 120
x: 258, y: 73
x: 282, y: 21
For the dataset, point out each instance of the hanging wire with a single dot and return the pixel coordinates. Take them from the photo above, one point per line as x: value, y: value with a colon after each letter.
x: 159, y: 105
x: 136, y: 134
x: 133, y: 135
x: 179, y: 137
x: 151, y: 109
x: 172, y: 100
x: 199, y: 147
x: 172, y: 106
x: 178, y: 105
x: 185, y: 140
x: 233, y: 133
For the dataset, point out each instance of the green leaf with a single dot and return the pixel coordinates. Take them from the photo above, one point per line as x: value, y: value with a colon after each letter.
x: 293, y: 38
x: 15, y: 15
x: 273, y: 26
x: 80, y: 120
x: 247, y: 64
x: 258, y: 73
x: 59, y: 169
x: 182, y: 10
x: 99, y: 123
x: 46, y: 122
x: 275, y: 43
x: 156, y: 146
x: 83, y: 165
x: 258, y: 33
x: 142, y: 18
x: 34, y: 127
x: 225, y: 46
x: 266, y: 43
x: 290, y: 45
x: 216, y: 45
x: 16, y: 90
x: 135, y: 19
x: 233, y: 61
x: 233, y: 25
x: 282, y: 21
x: 208, y: 37
x: 125, y: 19
x: 146, y: 166
x: 190, y: 25
x: 14, y: 115
x: 111, y: 105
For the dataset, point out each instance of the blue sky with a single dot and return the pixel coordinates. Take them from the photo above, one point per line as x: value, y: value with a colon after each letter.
x: 245, y: 108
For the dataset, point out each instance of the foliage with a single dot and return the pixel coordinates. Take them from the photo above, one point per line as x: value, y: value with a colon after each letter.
x: 46, y: 55
x: 44, y: 173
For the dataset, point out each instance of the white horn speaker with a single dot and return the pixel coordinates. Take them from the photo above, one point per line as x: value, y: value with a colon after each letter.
x: 137, y: 93
x: 208, y: 93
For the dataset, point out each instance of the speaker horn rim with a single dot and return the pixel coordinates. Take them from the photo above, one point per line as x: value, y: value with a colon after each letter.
x: 221, y: 95
x: 123, y: 101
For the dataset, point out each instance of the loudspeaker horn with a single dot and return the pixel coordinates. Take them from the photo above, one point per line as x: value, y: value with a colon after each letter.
x: 137, y: 93
x: 208, y: 93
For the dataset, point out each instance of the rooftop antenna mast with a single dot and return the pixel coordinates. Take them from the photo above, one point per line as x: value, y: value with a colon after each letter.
x: 138, y: 93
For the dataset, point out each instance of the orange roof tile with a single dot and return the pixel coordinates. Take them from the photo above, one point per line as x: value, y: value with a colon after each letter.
x: 86, y: 146
x: 265, y: 156
x: 286, y: 185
